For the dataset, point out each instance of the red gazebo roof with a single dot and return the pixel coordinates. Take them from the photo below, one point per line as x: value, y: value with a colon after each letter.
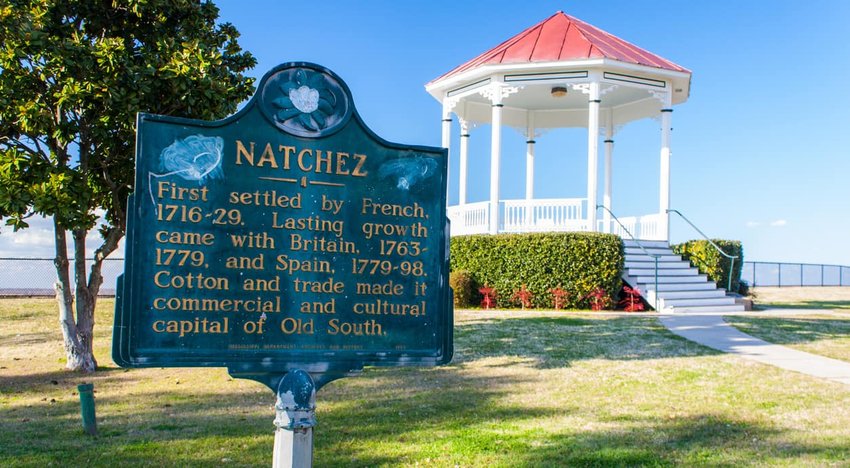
x: 562, y: 37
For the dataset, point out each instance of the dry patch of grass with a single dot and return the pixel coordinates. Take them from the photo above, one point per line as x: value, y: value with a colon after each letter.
x: 525, y: 389
x: 826, y: 335
x: 836, y: 298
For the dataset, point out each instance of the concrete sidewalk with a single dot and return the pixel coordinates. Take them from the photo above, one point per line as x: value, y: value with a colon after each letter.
x: 712, y: 331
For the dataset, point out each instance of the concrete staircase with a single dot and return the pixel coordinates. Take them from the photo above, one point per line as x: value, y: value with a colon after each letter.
x: 681, y: 288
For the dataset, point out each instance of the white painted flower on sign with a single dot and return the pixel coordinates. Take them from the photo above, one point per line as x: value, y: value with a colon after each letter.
x: 305, y: 99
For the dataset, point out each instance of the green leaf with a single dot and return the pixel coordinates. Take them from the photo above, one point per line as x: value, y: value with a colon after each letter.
x: 287, y: 114
x: 325, y: 106
x: 283, y: 102
x: 288, y: 86
x: 307, y: 122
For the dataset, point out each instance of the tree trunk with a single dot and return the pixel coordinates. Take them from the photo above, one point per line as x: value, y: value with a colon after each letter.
x: 79, y: 353
x: 78, y: 334
x: 86, y: 300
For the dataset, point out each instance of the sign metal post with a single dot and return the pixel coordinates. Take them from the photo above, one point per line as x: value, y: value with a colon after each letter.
x: 295, y: 416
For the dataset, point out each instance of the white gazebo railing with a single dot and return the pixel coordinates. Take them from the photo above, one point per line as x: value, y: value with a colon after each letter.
x: 566, y: 214
x: 549, y: 215
x: 554, y: 214
x: 647, y: 227
x: 471, y: 218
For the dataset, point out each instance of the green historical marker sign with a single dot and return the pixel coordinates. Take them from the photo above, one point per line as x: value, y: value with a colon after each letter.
x: 287, y: 236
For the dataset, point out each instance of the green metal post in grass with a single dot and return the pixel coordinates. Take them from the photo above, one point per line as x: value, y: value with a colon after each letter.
x: 87, y: 408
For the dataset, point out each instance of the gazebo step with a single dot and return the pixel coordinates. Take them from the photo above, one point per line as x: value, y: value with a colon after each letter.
x: 663, y: 287
x: 650, y: 250
x: 692, y: 294
x: 646, y: 258
x: 673, y: 279
x: 691, y: 302
x: 650, y: 264
x: 705, y: 309
x: 663, y: 272
x: 646, y: 244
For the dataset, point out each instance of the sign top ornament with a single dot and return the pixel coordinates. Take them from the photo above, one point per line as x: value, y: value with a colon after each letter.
x: 305, y: 100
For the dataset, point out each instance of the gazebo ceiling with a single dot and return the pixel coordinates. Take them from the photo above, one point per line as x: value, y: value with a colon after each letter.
x: 562, y: 51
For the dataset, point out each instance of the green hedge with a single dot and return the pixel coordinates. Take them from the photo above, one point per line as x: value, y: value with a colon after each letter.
x: 709, y: 261
x: 463, y: 287
x: 578, y: 262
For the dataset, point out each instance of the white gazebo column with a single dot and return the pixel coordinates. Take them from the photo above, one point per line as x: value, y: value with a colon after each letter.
x: 464, y: 156
x: 447, y: 134
x: 495, y: 159
x: 609, y: 169
x: 592, y: 153
x: 664, y: 182
x: 529, y: 170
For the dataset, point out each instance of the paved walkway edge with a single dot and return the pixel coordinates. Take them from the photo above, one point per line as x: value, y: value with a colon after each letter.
x: 714, y: 332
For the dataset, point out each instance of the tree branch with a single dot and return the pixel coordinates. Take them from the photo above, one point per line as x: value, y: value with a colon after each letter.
x: 110, y: 243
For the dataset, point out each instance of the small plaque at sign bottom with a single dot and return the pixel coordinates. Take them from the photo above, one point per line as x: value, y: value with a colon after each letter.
x: 287, y: 236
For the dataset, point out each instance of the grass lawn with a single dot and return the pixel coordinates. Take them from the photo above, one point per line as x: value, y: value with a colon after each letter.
x: 825, y: 334
x: 524, y: 389
x: 834, y: 298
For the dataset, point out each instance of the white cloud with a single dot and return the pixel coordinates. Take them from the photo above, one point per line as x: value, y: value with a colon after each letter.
x: 37, y: 241
x: 34, y: 238
x: 776, y: 223
x: 34, y: 241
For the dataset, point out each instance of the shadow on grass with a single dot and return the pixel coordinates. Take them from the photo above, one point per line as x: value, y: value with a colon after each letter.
x: 24, y: 339
x: 42, y: 382
x: 458, y: 414
x: 700, y: 440
x: 439, y: 417
x: 461, y: 419
x: 787, y: 330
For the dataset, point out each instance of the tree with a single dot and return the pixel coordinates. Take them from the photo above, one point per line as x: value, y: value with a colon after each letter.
x: 73, y: 75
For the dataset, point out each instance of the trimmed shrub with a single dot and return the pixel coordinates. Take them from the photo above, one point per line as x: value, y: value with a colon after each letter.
x: 464, y: 288
x: 745, y: 290
x: 578, y: 262
x: 708, y: 260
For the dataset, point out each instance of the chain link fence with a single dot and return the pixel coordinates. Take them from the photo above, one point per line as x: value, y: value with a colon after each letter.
x: 36, y: 276
x: 795, y: 274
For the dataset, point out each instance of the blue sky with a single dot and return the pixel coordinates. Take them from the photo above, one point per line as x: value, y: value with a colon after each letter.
x: 760, y: 150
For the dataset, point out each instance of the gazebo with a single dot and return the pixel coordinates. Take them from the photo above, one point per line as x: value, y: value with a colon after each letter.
x: 559, y: 73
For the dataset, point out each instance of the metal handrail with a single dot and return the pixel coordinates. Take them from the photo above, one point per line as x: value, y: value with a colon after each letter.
x: 654, y: 257
x: 716, y: 247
